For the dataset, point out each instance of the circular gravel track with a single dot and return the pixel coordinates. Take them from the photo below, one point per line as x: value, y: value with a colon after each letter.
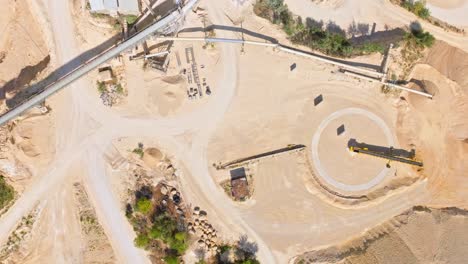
x: 315, y: 155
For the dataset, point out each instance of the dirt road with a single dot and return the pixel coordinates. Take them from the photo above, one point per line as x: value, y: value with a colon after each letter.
x: 86, y: 128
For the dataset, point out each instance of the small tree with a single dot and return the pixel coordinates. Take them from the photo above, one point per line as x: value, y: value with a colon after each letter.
x: 7, y: 193
x: 144, y: 206
x: 142, y: 241
x: 101, y: 86
x: 131, y: 19
x: 171, y: 260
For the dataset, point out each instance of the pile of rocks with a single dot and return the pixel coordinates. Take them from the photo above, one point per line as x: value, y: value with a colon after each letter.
x: 174, y: 196
x: 111, y: 96
x: 200, y: 227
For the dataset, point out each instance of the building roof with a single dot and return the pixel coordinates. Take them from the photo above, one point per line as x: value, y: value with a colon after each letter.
x: 239, y: 184
x: 105, y: 75
x: 129, y: 7
x: 239, y: 189
x: 238, y: 173
x: 113, y: 6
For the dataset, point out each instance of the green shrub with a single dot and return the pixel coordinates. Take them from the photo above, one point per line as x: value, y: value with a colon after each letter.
x: 315, y: 37
x: 418, y: 8
x: 144, y: 206
x: 181, y: 236
x: 178, y: 245
x: 7, y: 193
x: 131, y: 19
x: 139, y: 151
x: 119, y: 88
x: 368, y: 48
x: 163, y: 228
x: 101, y: 86
x: 424, y: 39
x: 250, y: 261
x: 142, y: 241
x: 419, y: 36
x: 171, y: 260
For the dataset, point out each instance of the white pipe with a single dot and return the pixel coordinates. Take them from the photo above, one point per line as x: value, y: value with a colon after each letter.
x: 407, y: 89
x: 360, y: 76
x: 300, y: 53
x: 388, y: 84
x: 157, y: 54
x: 273, y: 45
x: 315, y: 57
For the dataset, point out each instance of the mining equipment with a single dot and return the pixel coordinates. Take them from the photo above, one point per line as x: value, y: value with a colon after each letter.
x: 385, y: 153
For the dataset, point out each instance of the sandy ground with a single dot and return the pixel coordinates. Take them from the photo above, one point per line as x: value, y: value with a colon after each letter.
x: 256, y: 124
x: 25, y: 57
x: 422, y: 235
x: 440, y: 128
x: 22, y: 47
x: 65, y: 231
x: 381, y: 12
x: 257, y: 105
x: 454, y: 12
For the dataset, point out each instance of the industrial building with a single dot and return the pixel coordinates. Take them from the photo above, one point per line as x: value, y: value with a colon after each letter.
x: 112, y: 7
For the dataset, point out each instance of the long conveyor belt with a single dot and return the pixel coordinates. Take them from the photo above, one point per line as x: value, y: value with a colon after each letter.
x: 389, y: 157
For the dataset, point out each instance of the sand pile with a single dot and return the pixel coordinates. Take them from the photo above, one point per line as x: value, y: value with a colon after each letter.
x: 438, y: 128
x: 170, y: 96
x: 450, y: 61
x: 34, y: 136
x: 152, y: 157
x: 420, y: 235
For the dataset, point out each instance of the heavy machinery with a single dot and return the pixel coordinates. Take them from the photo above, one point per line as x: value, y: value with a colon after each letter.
x: 389, y: 154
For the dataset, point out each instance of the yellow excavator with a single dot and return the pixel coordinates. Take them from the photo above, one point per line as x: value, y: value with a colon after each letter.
x: 389, y: 154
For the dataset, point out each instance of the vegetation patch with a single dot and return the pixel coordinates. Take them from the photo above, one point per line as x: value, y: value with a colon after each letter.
x: 413, y: 47
x: 159, y: 221
x: 329, y: 39
x: 419, y: 8
x: 101, y: 87
x: 139, y: 150
x: 7, y: 193
x: 130, y: 19
x: 420, y: 37
x: 242, y: 251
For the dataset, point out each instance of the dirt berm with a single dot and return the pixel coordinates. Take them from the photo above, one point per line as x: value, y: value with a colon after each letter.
x: 420, y: 235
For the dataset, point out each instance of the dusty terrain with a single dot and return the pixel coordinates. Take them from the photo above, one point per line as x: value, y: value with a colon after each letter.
x: 24, y: 52
x: 419, y: 235
x: 82, y: 161
x: 453, y: 12
x: 24, y: 48
x: 383, y: 13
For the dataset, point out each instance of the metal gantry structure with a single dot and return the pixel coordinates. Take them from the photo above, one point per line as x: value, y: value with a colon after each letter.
x: 168, y: 25
x: 94, y: 63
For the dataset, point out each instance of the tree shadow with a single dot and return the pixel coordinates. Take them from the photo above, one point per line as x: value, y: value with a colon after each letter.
x: 334, y: 28
x: 383, y: 37
x: 312, y: 23
x: 246, y: 247
x: 420, y: 84
x: 309, y: 22
x: 230, y: 28
x: 351, y: 63
x: 200, y: 253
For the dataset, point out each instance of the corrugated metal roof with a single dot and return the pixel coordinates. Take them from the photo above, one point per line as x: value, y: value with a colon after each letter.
x: 96, y: 5
x: 123, y: 6
x: 129, y: 6
x: 110, y: 4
